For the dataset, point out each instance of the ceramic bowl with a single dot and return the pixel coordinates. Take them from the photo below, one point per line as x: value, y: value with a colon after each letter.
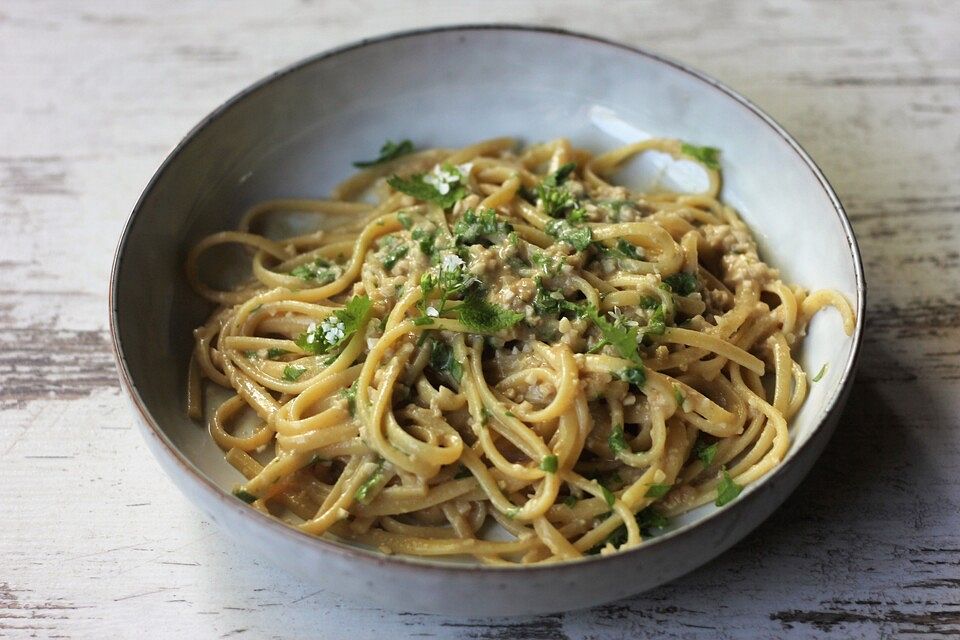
x: 294, y: 134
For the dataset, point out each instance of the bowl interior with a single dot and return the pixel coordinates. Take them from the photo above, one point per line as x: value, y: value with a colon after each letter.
x: 296, y: 135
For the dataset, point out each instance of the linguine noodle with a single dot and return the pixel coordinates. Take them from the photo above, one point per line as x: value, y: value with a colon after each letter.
x: 505, y: 336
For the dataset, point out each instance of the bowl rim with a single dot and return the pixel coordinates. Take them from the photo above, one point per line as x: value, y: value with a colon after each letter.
x: 376, y: 558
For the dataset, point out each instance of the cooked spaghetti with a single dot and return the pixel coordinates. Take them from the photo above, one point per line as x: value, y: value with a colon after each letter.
x: 504, y: 338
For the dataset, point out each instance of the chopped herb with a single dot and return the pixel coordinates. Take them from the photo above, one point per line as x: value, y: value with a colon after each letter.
x: 484, y: 416
x: 350, y: 394
x: 389, y: 151
x: 547, y: 301
x: 650, y: 302
x: 636, y: 376
x: 292, y: 372
x: 512, y: 512
x: 394, y: 255
x: 425, y: 239
x: 578, y: 237
x: 727, y: 490
x: 320, y: 271
x: 550, y: 265
x: 442, y: 360
x: 549, y: 464
x: 276, y: 352
x: 629, y: 250
x: 365, y: 490
x: 623, y: 339
x: 250, y: 354
x: 658, y: 490
x: 570, y: 501
x: 480, y: 315
x: 475, y: 226
x: 820, y: 373
x: 678, y: 396
x: 509, y: 414
x: 681, y: 283
x: 607, y: 495
x: 554, y: 199
x: 244, y: 495
x: 422, y: 320
x: 421, y: 189
x: 657, y: 324
x: 405, y: 220
x: 650, y: 518
x: 706, y: 453
x: 617, y: 441
x: 337, y: 328
x: 709, y: 156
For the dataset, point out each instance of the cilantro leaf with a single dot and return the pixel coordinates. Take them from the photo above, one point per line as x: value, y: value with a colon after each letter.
x: 475, y: 226
x: 727, y: 490
x: 486, y: 317
x: 650, y: 518
x: 658, y: 490
x: 337, y: 328
x: 709, y: 156
x: 405, y: 220
x: 577, y: 236
x: 553, y: 198
x: 560, y: 176
x: 275, y: 352
x: 389, y: 151
x: 416, y: 186
x: 681, y: 283
x: 363, y: 492
x: 320, y: 271
x: 617, y: 441
x: 292, y: 372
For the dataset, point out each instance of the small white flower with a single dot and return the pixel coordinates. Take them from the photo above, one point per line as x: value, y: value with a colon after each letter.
x: 333, y: 329
x: 465, y: 170
x: 311, y: 333
x: 432, y: 312
x: 451, y: 262
x: 442, y: 179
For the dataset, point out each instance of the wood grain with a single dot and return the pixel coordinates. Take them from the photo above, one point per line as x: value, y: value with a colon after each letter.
x: 97, y: 543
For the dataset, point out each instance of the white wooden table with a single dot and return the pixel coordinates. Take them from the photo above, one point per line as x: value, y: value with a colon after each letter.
x: 96, y: 542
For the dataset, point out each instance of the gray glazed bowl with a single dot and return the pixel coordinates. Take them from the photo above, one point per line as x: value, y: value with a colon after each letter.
x: 294, y: 134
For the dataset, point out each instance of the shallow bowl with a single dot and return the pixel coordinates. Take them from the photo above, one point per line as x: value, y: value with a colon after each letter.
x: 294, y: 134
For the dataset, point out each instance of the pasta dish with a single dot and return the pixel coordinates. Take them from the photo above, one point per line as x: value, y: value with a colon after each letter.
x: 498, y: 353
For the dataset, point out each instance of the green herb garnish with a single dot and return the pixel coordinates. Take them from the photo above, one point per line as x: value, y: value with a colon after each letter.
x: 320, y: 271
x: 607, y: 495
x: 276, y: 352
x: 389, y: 151
x: 577, y: 236
x: 678, y: 396
x: 365, y: 490
x: 443, y: 361
x: 476, y: 226
x: 337, y: 328
x: 244, y: 495
x: 709, y: 156
x: 706, y: 453
x: 727, y: 490
x: 617, y: 442
x: 405, y: 220
x: 549, y: 464
x: 681, y: 283
x: 570, y: 501
x: 658, y: 490
x: 486, y: 317
x: 292, y: 372
x: 820, y: 373
x: 623, y: 339
x: 350, y: 394
x: 417, y: 186
x: 394, y: 255
x: 636, y: 376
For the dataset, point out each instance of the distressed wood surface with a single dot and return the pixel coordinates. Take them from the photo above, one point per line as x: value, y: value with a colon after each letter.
x: 96, y: 542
